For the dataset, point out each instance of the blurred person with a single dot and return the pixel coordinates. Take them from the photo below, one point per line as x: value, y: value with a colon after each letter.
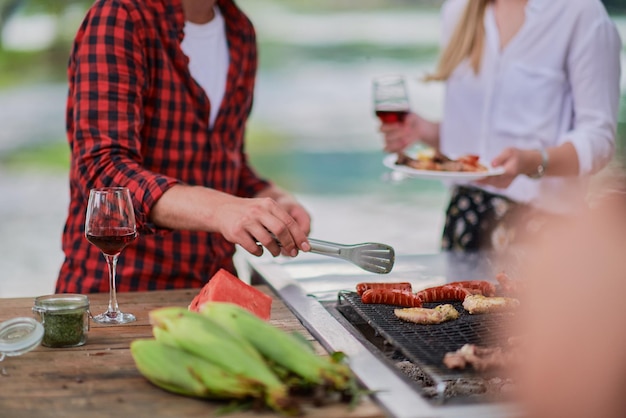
x: 531, y: 86
x: 159, y: 95
x: 574, y: 339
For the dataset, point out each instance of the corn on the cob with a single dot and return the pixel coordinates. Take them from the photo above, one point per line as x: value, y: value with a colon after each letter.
x: 278, y: 346
x: 181, y: 372
x: 207, y: 339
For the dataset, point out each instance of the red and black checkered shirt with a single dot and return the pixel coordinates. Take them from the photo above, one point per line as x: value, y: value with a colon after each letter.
x: 136, y: 118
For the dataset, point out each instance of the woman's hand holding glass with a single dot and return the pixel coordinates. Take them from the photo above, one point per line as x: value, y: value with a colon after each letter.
x: 398, y: 136
x: 400, y: 127
x: 414, y: 129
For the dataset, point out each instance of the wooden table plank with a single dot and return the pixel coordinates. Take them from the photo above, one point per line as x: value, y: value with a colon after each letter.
x: 100, y: 379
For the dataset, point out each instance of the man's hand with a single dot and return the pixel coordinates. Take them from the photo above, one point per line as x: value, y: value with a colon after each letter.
x: 290, y: 205
x: 262, y: 220
x: 271, y: 218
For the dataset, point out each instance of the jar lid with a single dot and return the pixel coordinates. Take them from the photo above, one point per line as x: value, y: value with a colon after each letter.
x: 61, y: 302
x: 19, y: 335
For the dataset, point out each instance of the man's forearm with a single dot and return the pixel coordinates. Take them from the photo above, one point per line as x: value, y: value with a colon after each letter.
x: 188, y: 207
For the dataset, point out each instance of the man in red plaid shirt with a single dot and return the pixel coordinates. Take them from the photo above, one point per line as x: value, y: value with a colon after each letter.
x: 159, y: 95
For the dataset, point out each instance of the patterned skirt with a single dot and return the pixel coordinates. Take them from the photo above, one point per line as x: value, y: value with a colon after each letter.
x: 479, y: 220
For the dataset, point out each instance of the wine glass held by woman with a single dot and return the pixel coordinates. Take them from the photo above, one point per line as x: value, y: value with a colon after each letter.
x: 391, y: 98
x: 532, y: 86
x: 110, y: 226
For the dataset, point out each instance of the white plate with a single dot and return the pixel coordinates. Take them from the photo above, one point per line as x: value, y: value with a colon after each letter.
x: 390, y: 162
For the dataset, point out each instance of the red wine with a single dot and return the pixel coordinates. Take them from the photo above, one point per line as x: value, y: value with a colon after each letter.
x: 391, y: 116
x: 112, y: 242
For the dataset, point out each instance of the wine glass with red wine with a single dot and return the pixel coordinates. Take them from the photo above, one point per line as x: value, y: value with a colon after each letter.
x: 110, y: 226
x: 391, y: 99
x: 391, y: 105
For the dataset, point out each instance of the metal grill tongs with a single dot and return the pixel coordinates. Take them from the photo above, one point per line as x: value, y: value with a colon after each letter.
x: 370, y: 256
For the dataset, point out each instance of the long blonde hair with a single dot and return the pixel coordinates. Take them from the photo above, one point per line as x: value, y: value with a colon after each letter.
x: 466, y: 41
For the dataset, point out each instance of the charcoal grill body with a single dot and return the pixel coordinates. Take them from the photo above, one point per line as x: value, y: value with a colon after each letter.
x: 310, y: 286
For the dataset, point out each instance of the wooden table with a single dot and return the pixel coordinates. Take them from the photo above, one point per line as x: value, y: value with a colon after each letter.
x: 100, y: 379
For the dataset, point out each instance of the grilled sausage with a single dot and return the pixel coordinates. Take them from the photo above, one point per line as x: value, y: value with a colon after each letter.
x: 392, y: 297
x: 484, y: 287
x: 441, y: 293
x: 362, y: 287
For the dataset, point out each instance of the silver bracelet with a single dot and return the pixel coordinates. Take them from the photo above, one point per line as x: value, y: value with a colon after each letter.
x: 541, y: 168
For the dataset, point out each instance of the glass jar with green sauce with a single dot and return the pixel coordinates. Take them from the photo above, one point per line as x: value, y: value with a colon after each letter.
x: 65, y: 319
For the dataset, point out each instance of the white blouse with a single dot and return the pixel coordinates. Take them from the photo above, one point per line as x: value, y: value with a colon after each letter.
x: 556, y: 81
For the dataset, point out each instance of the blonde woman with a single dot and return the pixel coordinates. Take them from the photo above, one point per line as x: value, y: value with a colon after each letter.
x: 532, y: 86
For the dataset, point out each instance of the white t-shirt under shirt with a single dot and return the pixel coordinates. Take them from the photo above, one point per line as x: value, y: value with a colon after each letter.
x: 556, y: 81
x: 207, y: 49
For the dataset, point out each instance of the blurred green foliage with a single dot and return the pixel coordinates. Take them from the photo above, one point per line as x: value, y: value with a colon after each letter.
x: 27, y: 67
x: 49, y: 157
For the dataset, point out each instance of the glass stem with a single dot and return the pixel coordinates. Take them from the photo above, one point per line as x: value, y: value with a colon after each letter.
x: 113, y: 310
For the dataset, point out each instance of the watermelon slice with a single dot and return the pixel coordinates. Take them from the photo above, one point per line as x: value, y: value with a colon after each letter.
x: 225, y: 287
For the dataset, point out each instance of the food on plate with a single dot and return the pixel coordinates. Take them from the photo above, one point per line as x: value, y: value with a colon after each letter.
x: 480, y: 358
x: 362, y: 287
x: 436, y: 161
x: 445, y: 292
x: 391, y: 297
x: 427, y: 316
x: 479, y: 304
x: 225, y: 287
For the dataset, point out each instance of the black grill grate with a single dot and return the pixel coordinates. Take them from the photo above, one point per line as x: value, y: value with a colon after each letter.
x: 426, y: 345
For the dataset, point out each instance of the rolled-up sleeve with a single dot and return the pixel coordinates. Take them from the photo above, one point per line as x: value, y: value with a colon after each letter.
x: 594, y: 72
x: 110, y: 79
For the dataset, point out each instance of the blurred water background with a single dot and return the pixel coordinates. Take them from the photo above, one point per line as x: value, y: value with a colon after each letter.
x: 312, y: 129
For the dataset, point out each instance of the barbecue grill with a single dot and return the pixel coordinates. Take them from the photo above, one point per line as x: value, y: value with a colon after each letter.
x: 320, y: 292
